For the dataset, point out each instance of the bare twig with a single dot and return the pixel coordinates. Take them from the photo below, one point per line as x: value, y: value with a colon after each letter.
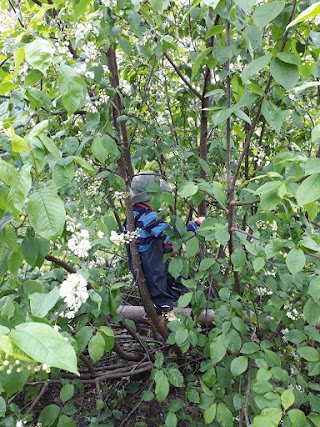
x: 42, y: 392
x: 88, y: 365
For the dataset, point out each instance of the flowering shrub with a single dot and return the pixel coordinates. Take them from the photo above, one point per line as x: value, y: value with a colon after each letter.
x: 222, y: 99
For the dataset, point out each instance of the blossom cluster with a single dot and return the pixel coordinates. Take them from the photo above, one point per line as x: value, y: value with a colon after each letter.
x: 91, y: 52
x: 71, y: 224
x: 80, y: 174
x: 271, y: 273
x: 260, y: 157
x: 79, y: 29
x: 79, y: 243
x: 264, y: 291
x: 62, y: 49
x: 93, y: 187
x: 74, y: 292
x: 292, y: 313
x: 263, y: 225
x: 124, y: 237
x: 99, y: 261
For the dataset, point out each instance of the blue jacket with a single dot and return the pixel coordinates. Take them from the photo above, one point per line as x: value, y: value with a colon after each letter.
x: 153, y: 243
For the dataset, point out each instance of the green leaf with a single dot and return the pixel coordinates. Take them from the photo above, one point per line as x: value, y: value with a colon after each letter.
x: 45, y: 345
x: 83, y: 336
x: 8, y: 174
x: 273, y: 115
x: 314, y: 289
x: 2, y: 407
x: 309, y: 190
x: 245, y: 5
x: 295, y: 260
x: 287, y: 399
x: 224, y: 416
x: 83, y: 163
x: 290, y: 58
x: 206, y: 263
x: 42, y: 303
x: 188, y: 189
x: 66, y: 392
x: 13, y: 382
x: 210, y: 414
x: 258, y: 264
x: 18, y: 144
x: 181, y: 335
x: 312, y: 166
x: 80, y: 9
x: 249, y: 348
x: 72, y: 88
x: 46, y: 213
x: 268, y: 187
x: 315, y: 138
x: 19, y: 192
x: 287, y: 75
x: 104, y: 147
x: 175, y: 267
x: 50, y: 145
x: 175, y: 377
x: 96, y: 347
x: 222, y: 236
x: 6, y: 87
x: 192, y: 246
x: 9, y: 347
x: 238, y: 259
x: 108, y: 335
x: 199, y: 60
x: 185, y: 299
x: 63, y: 172
x: 269, y: 417
x: 218, y: 191
x: 38, y: 129
x: 308, y: 353
x: 65, y: 421
x: 32, y: 78
x: 296, y: 336
x: 308, y: 13
x: 297, y: 418
x: 211, y: 3
x: 312, y: 210
x: 39, y: 54
x: 171, y: 420
x: 162, y: 385
x: 254, y: 67
x: 311, y: 311
x: 239, y: 365
x: 48, y: 415
x: 217, y: 350
x: 267, y: 12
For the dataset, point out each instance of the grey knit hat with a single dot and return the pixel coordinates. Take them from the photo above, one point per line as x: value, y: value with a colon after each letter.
x: 139, y: 184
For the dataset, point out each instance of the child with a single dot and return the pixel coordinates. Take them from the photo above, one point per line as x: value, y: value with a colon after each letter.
x: 153, y: 243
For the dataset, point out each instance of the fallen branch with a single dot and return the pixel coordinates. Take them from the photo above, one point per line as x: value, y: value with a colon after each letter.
x: 129, y: 371
x: 137, y: 314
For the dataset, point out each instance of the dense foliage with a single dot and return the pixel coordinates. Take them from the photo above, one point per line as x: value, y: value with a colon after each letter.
x: 221, y: 98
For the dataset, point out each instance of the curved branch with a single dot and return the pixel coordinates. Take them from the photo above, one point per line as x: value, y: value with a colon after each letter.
x: 60, y: 263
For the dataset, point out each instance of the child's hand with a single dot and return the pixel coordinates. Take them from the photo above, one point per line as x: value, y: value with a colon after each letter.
x: 200, y: 220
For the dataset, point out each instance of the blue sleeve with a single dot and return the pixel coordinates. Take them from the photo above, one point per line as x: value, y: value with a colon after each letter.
x: 193, y: 226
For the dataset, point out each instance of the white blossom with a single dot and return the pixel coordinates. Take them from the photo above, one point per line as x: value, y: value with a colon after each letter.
x: 79, y: 243
x: 264, y: 291
x: 74, y: 292
x: 126, y: 237
x: 100, y: 234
